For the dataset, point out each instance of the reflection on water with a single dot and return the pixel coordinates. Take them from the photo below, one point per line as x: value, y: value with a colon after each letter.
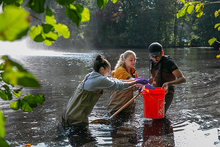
x: 193, y: 116
x: 158, y: 132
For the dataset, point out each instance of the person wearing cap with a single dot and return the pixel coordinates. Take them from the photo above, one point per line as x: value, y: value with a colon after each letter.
x: 164, y: 72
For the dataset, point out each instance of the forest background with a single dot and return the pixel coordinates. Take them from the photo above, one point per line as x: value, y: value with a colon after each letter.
x: 135, y: 24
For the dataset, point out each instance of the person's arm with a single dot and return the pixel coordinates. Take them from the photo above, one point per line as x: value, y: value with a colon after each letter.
x: 179, y: 79
x: 132, y: 83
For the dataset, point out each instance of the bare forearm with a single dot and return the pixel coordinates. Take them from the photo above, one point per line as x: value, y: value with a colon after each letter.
x: 178, y: 81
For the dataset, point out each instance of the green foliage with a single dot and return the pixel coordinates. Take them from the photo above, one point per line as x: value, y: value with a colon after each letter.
x: 114, y: 1
x: 73, y: 13
x: 102, y: 3
x: 16, y: 3
x: 15, y: 74
x: 49, y: 17
x: 14, y: 23
x: 3, y: 143
x: 2, y: 121
x: 12, y: 74
x: 36, y: 5
x: 5, y: 93
x: 17, y: 93
x: 66, y: 2
x: 198, y: 10
x: 28, y: 102
x: 49, y: 32
x: 211, y: 41
x: 199, y: 6
x: 217, y: 13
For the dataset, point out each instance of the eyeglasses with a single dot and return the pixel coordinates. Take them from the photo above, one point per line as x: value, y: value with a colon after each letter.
x: 155, y: 57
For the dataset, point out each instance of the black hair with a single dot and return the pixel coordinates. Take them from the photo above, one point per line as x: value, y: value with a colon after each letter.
x: 99, y: 62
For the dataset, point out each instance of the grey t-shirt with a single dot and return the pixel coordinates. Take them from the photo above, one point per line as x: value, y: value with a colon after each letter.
x: 96, y: 82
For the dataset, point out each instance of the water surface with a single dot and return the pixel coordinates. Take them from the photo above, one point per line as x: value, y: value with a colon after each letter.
x: 192, y: 120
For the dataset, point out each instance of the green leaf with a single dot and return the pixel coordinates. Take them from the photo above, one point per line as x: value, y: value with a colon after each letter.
x: 79, y: 8
x: 211, y: 41
x: 190, y: 9
x: 62, y: 29
x: 65, y: 2
x: 34, y: 101
x: 36, y: 5
x: 14, y: 23
x: 217, y: 56
x: 28, y: 80
x: 2, y: 121
x: 47, y: 28
x: 216, y: 25
x: 3, y: 143
x: 85, y: 15
x: 199, y: 14
x: 15, y: 74
x: 2, y: 66
x: 3, y: 95
x: 49, y: 17
x: 11, y: 3
x: 114, y: 1
x: 182, y: 12
x: 15, y: 105
x: 30, y: 99
x: 198, y: 10
x: 48, y: 42
x: 36, y: 33
x: 73, y: 14
x: 25, y: 106
x: 17, y: 93
x: 50, y: 38
x: 7, y: 92
x: 216, y: 13
x: 101, y: 3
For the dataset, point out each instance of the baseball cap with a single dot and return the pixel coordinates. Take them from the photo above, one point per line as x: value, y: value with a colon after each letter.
x: 155, y: 49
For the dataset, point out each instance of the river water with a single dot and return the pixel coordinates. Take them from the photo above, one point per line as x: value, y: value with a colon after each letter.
x: 192, y: 120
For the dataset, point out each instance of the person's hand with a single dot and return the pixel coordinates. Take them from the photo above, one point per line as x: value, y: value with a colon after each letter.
x: 151, y: 80
x: 141, y: 80
x: 166, y: 86
x: 139, y: 89
x: 149, y: 87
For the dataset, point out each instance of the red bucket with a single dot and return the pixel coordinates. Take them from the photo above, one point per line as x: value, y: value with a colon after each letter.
x: 154, y: 103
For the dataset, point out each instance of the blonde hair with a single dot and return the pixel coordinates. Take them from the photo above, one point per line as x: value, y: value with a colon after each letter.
x: 124, y: 56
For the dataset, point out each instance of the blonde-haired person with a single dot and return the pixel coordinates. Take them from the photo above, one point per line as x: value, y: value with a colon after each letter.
x: 124, y: 70
x: 75, y: 116
x: 90, y: 89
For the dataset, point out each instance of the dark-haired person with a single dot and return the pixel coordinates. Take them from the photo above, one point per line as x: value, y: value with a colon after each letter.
x: 164, y: 72
x: 89, y: 90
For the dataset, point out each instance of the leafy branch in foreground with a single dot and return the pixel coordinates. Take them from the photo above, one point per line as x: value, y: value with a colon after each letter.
x: 11, y: 74
x: 15, y: 21
x: 198, y: 7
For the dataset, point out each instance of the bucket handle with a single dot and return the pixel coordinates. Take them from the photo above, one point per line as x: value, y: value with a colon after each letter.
x: 157, y: 100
